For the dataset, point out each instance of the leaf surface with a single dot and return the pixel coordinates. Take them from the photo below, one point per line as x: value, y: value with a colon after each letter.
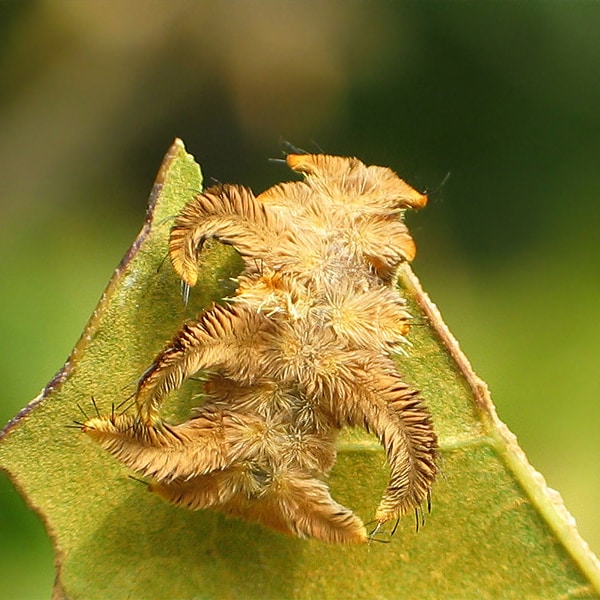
x: 496, y: 530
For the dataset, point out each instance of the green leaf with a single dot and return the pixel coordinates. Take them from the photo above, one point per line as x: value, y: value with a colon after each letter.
x: 496, y: 530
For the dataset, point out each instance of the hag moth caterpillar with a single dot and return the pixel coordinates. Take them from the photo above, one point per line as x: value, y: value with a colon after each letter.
x: 303, y: 349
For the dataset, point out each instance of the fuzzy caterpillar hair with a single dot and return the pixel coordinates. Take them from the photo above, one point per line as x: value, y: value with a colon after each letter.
x: 304, y: 348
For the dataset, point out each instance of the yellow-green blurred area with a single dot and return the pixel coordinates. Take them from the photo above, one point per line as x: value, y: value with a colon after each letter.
x: 503, y: 96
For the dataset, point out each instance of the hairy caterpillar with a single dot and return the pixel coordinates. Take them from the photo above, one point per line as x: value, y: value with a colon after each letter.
x: 303, y: 349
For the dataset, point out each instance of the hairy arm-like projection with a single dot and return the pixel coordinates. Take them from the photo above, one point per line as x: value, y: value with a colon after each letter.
x: 303, y: 349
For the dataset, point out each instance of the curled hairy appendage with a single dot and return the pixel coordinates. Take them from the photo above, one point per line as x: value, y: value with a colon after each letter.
x: 289, y: 502
x: 305, y: 347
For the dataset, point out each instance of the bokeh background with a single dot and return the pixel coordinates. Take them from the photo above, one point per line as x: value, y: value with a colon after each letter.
x: 503, y: 96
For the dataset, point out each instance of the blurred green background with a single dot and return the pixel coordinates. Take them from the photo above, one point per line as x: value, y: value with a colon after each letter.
x: 504, y: 96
